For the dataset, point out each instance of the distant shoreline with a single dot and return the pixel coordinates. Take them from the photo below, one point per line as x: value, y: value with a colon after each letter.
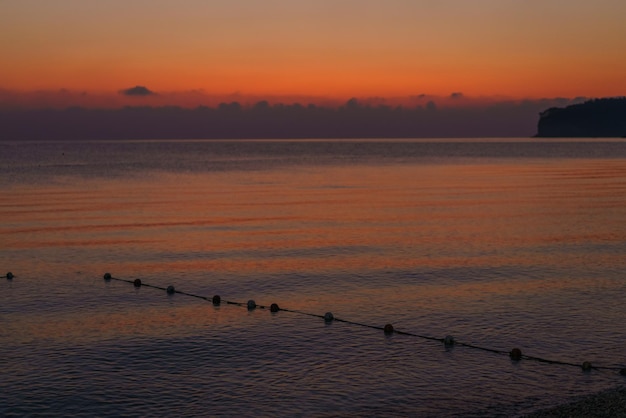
x: 592, y: 119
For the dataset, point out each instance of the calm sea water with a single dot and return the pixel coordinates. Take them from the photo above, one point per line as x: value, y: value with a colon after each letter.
x: 500, y: 243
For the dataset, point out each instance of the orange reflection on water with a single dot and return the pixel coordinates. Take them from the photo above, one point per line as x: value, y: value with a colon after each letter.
x: 144, y: 318
x: 347, y: 218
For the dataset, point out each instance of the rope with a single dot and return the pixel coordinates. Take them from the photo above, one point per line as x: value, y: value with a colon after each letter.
x: 449, y: 341
x: 515, y: 354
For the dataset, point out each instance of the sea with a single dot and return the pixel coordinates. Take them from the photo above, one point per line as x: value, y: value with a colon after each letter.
x: 498, y: 243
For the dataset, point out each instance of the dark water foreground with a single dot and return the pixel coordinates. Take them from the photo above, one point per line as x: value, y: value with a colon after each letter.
x: 607, y: 404
x: 500, y: 244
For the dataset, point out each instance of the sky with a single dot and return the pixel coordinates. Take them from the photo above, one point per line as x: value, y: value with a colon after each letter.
x: 195, y: 51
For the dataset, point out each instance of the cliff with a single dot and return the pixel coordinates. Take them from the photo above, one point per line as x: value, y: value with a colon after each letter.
x: 594, y: 118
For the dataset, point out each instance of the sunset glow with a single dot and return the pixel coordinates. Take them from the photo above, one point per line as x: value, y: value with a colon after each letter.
x: 321, y: 49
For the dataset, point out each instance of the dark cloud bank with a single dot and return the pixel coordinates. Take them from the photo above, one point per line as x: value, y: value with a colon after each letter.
x: 265, y: 121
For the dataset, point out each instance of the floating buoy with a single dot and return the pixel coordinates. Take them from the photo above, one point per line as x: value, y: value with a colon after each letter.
x: 10, y: 276
x: 516, y: 354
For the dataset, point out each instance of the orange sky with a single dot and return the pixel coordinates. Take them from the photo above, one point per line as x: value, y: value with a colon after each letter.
x: 323, y: 48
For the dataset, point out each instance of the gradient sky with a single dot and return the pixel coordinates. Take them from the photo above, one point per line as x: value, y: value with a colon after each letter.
x: 324, y: 48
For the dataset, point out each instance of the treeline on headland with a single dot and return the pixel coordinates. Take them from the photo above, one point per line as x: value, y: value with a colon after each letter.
x: 594, y: 118
x: 265, y: 121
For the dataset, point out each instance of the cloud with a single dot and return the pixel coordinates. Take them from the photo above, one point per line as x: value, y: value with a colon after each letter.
x: 431, y: 106
x: 232, y: 119
x: 137, y: 91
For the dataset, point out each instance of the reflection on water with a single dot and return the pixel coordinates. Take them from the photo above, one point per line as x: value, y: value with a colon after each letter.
x: 500, y: 244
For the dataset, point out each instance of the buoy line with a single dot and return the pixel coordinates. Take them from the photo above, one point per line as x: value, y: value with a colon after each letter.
x: 449, y: 341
